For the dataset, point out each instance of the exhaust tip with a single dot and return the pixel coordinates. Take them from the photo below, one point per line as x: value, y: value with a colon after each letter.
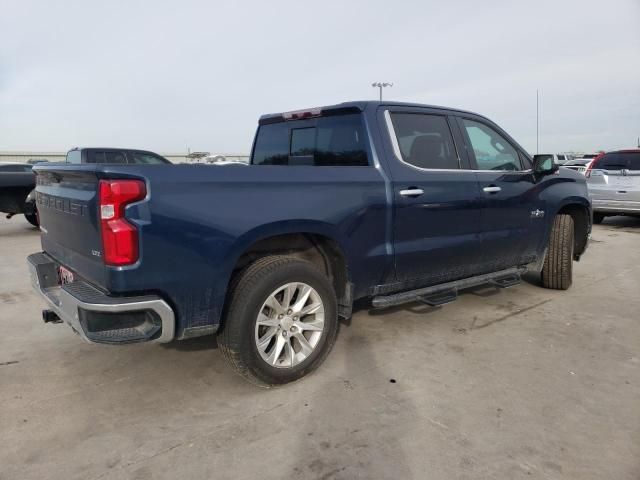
x: 49, y: 316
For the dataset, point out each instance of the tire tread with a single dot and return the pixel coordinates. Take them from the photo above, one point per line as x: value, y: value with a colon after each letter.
x: 557, y: 271
x: 241, y: 287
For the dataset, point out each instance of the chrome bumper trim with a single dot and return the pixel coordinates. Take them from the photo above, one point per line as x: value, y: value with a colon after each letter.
x: 65, y: 305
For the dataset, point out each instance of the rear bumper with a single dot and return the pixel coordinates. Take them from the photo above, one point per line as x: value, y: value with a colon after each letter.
x: 615, y: 206
x: 97, y: 317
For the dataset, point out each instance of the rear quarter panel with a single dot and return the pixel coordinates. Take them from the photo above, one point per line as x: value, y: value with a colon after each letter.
x: 198, y: 220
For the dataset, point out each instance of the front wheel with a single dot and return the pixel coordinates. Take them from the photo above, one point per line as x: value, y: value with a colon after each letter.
x: 557, y: 272
x: 281, y: 323
x: 598, y: 218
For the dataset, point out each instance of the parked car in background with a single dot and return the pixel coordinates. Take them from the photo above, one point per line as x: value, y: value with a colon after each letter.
x: 16, y: 182
x: 392, y: 201
x: 220, y: 160
x: 115, y: 156
x: 557, y: 158
x: 562, y: 158
x: 579, y: 164
x: 613, y: 179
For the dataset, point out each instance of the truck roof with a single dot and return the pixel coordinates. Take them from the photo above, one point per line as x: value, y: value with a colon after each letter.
x: 113, y: 149
x: 354, y: 107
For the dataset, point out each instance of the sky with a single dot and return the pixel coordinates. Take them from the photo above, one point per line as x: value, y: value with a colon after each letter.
x: 171, y: 75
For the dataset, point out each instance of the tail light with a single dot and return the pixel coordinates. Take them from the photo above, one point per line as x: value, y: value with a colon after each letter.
x: 119, y: 237
x: 592, y: 164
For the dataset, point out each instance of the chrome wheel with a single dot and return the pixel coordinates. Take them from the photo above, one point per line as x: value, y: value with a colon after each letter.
x: 289, y: 325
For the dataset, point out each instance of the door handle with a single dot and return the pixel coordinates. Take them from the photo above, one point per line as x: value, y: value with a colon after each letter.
x: 491, y: 189
x: 411, y: 192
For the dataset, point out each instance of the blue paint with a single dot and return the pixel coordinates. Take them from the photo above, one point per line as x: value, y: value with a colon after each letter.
x: 197, y: 220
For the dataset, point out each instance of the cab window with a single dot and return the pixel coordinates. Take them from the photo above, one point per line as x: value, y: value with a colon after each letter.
x: 337, y: 140
x: 109, y: 156
x: 490, y: 149
x: 146, y: 158
x: 74, y: 156
x: 425, y: 141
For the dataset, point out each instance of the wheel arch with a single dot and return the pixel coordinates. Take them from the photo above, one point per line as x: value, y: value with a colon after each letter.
x: 312, y: 241
x: 581, y: 215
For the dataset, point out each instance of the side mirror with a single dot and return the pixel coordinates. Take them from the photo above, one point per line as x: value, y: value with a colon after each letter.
x: 544, y: 164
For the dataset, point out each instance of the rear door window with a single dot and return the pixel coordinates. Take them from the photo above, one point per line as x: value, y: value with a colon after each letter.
x: 146, y: 158
x: 94, y: 156
x: 115, y: 157
x: 491, y: 150
x: 108, y: 156
x: 425, y: 141
x: 326, y: 141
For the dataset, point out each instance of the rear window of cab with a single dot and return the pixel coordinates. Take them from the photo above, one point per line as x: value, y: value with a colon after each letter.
x: 337, y: 140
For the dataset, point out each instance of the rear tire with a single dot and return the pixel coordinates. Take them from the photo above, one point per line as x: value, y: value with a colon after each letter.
x: 557, y: 272
x: 598, y: 218
x: 250, y: 319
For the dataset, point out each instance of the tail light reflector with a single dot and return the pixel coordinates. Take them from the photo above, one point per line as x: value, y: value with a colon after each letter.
x: 592, y: 164
x: 119, y: 237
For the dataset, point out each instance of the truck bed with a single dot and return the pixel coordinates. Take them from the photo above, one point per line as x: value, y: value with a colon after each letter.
x: 196, y: 220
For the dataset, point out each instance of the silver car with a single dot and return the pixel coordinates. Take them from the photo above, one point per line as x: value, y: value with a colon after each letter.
x: 578, y: 164
x: 613, y: 180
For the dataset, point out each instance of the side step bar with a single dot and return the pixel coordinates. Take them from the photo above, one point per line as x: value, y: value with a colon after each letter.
x: 448, y: 292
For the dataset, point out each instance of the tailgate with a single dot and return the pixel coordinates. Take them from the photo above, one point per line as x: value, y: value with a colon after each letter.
x: 67, y: 203
x: 616, y: 176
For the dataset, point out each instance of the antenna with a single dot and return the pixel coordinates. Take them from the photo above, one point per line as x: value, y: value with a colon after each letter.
x: 537, y: 122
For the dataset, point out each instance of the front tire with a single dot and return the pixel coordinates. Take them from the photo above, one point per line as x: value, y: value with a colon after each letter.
x: 557, y: 272
x: 598, y: 218
x: 281, y: 322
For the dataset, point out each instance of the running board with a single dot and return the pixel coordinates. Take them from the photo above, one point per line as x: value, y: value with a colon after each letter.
x: 508, y: 281
x: 448, y: 292
x: 439, y: 298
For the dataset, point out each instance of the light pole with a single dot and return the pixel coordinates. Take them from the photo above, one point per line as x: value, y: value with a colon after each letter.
x: 381, y: 85
x: 537, y: 120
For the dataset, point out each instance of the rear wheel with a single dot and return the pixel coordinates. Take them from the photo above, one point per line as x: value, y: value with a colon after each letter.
x: 598, y: 218
x: 557, y: 272
x: 281, y: 323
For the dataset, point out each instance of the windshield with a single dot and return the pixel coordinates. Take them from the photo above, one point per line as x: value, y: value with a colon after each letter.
x: 74, y: 156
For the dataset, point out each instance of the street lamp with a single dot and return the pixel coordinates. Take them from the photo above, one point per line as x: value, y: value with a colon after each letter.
x: 381, y: 85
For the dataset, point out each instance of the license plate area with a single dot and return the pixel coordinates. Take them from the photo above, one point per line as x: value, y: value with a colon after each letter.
x: 630, y: 181
x: 65, y: 276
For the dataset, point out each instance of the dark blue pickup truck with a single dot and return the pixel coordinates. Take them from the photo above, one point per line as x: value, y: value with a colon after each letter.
x: 391, y: 201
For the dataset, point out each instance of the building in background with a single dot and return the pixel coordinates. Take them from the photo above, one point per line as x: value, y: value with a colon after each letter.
x: 32, y: 157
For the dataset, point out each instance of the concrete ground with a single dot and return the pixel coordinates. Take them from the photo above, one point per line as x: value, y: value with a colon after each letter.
x: 504, y: 384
